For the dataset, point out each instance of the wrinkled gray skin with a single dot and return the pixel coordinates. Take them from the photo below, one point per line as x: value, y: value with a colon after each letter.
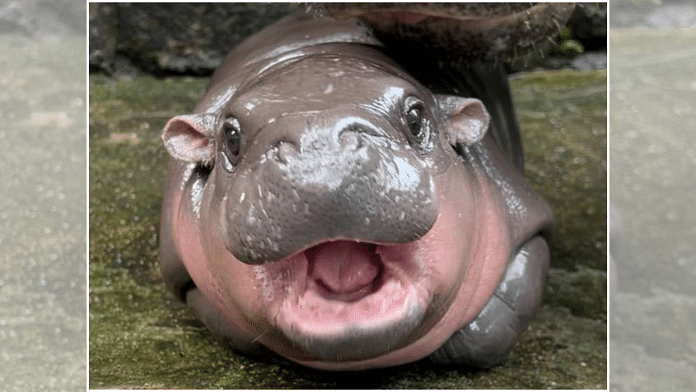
x: 273, y: 161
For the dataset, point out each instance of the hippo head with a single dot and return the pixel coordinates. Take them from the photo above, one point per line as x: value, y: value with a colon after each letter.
x: 328, y: 215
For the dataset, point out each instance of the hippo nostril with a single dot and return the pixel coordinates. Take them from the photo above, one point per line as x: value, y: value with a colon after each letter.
x: 350, y: 140
x: 285, y: 151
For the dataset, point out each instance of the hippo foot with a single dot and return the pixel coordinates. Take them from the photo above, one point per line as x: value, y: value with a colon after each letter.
x: 484, y: 341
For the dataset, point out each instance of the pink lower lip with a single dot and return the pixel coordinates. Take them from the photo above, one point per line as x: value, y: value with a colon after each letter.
x: 314, y: 314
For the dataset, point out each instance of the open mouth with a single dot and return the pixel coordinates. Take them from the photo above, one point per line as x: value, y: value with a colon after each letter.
x: 344, y: 271
x: 347, y: 299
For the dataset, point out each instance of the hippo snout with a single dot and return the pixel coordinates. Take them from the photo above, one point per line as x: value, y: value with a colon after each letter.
x: 348, y: 141
x: 349, y: 179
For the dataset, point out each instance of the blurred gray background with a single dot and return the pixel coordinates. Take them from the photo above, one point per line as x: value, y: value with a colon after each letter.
x: 652, y: 182
x: 43, y: 195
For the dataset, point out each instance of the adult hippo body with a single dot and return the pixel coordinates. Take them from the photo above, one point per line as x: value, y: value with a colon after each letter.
x: 324, y: 206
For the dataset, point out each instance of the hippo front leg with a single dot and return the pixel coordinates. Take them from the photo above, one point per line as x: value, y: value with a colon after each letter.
x: 485, y: 340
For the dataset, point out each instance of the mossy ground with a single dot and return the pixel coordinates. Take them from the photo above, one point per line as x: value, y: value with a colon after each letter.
x: 141, y: 337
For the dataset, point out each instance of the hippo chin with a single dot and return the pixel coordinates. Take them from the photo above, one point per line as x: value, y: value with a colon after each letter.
x: 324, y: 206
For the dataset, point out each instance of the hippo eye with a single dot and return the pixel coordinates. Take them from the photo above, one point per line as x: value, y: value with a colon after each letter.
x: 233, y: 139
x: 415, y: 120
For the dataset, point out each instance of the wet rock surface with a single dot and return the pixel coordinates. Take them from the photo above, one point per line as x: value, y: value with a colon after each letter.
x: 141, y: 337
x: 653, y: 158
x: 42, y: 197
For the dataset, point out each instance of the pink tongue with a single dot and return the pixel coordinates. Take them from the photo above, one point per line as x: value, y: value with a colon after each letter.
x: 344, y: 266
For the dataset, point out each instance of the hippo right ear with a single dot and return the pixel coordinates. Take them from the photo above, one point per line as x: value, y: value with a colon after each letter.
x: 190, y: 138
x: 467, y: 119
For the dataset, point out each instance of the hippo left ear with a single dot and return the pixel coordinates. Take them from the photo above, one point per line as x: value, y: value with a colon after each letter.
x: 467, y: 118
x: 190, y: 138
